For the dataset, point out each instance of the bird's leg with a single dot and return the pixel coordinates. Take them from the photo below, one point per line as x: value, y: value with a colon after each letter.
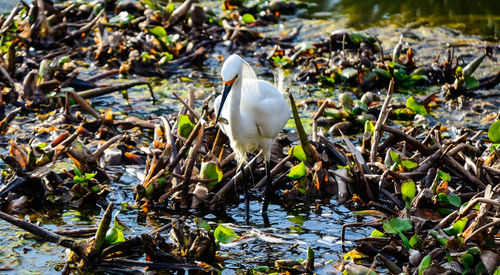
x: 268, y: 191
x: 247, y: 197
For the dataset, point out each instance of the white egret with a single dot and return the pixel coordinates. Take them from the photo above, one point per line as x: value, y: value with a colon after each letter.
x: 254, y: 114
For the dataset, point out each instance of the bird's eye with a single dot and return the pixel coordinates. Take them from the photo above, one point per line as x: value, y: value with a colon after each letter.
x: 230, y: 82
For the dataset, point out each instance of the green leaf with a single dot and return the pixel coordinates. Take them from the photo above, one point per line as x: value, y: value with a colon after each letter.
x: 298, y: 171
x: 443, y: 176
x: 382, y: 73
x: 185, y: 126
x: 409, y: 164
x: 408, y: 191
x: 418, y: 108
x: 369, y: 127
x: 298, y: 152
x: 424, y: 264
x: 467, y: 260
x: 151, y: 4
x: 377, y: 233
x: 398, y: 225
x: 494, y: 132
x: 457, y: 227
x: 170, y: 8
x: 459, y: 72
x: 114, y: 235
x: 224, y: 234
x: 406, y: 243
x: 471, y: 82
x: 122, y: 18
x: 210, y: 170
x: 247, y: 18
x: 77, y: 171
x: 414, y: 241
x: 451, y: 200
x: 157, y: 31
x: 201, y: 223
x: 348, y: 73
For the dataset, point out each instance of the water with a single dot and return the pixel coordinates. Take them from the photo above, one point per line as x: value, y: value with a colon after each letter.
x: 472, y: 17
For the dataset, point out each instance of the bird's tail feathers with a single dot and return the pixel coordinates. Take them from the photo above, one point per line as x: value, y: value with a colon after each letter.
x: 279, y: 81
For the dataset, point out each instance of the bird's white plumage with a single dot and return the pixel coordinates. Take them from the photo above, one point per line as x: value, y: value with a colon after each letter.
x: 255, y: 110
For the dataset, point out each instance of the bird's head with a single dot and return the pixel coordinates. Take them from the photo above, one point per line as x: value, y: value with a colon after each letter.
x: 230, y: 72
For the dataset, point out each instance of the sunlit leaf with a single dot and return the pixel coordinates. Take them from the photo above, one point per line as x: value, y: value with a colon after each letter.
x: 424, y: 264
x: 185, y: 126
x: 377, y: 233
x: 210, y: 170
x: 224, y: 234
x: 494, y: 132
x: 157, y: 31
x: 443, y: 176
x: 298, y: 152
x: 457, y: 227
x: 414, y: 240
x: 354, y: 255
x: 409, y: 164
x: 408, y: 191
x: 369, y: 126
x: 247, y: 18
x: 298, y: 171
x: 398, y: 225
x: 114, y: 235
x: 418, y: 108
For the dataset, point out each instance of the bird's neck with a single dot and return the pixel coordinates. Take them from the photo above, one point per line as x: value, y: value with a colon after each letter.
x: 235, y: 102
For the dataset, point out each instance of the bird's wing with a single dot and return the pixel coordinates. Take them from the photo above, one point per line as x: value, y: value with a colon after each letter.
x: 270, y: 110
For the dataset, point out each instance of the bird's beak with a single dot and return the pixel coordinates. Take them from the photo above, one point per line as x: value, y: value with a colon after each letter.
x: 227, y: 88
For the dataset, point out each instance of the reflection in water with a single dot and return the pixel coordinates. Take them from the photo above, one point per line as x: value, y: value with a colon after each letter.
x: 473, y: 17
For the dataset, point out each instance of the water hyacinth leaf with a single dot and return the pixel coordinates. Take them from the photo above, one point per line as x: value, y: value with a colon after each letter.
x: 424, y: 264
x: 418, y: 108
x: 471, y: 82
x: 298, y: 152
x: 349, y: 73
x: 382, y: 73
x: 494, y: 132
x: 122, y: 18
x: 408, y: 190
x: 369, y: 127
x: 457, y: 227
x: 394, y: 156
x: 185, y: 126
x: 409, y: 164
x: 224, y: 234
x: 77, y: 171
x: 474, y: 250
x: 398, y: 225
x: 444, y: 176
x: 298, y: 171
x: 157, y: 31
x: 414, y: 240
x: 453, y: 200
x: 247, y: 18
x: 210, y: 170
x: 114, y: 235
x: 468, y: 260
x: 87, y: 177
x: 201, y: 223
x: 377, y: 233
x: 476, y: 207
